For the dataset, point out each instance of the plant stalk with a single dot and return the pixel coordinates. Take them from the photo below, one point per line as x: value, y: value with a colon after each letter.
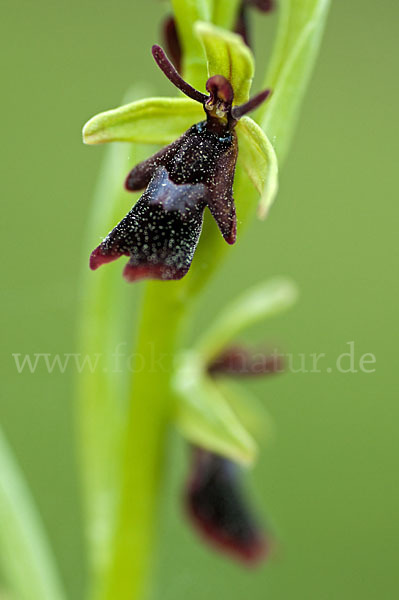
x: 147, y: 421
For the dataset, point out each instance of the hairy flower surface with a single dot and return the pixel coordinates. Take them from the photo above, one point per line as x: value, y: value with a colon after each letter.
x: 161, y: 231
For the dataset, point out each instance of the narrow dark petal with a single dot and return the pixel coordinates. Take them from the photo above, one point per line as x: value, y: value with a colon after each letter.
x: 169, y: 70
x: 262, y: 5
x: 219, y: 511
x: 242, y: 27
x: 239, y: 361
x: 172, y: 42
x: 160, y: 233
x: 253, y: 103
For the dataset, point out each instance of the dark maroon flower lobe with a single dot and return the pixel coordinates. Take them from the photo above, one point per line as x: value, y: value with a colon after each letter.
x: 160, y: 233
x: 242, y: 362
x: 218, y: 510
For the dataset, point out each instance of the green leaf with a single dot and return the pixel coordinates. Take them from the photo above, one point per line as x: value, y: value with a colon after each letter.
x: 228, y: 55
x: 204, y: 416
x: 249, y: 410
x: 259, y: 159
x: 260, y: 302
x: 26, y: 558
x: 150, y: 121
x: 300, y: 31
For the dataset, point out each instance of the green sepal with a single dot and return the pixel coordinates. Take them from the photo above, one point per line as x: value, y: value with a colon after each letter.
x: 256, y: 304
x: 204, y: 416
x: 257, y: 156
x: 248, y: 408
x: 228, y: 55
x: 149, y: 121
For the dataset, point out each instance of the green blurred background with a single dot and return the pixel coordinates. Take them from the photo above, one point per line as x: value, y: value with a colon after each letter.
x: 328, y: 484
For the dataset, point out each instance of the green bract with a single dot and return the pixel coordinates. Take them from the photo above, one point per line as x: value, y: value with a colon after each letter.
x: 248, y: 408
x: 211, y: 412
x: 204, y: 416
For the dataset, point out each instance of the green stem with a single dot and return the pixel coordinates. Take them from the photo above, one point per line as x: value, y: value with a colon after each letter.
x: 102, y: 390
x: 147, y: 421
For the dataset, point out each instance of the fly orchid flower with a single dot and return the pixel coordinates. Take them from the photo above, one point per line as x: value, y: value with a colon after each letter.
x: 161, y: 231
x: 214, y: 500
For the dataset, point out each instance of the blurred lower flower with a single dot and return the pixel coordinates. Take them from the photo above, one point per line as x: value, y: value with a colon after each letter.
x: 218, y: 510
x: 215, y: 502
x: 240, y: 361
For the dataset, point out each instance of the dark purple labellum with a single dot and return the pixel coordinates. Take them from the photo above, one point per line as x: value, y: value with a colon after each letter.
x: 204, y: 157
x: 161, y: 232
x: 218, y: 510
x: 239, y: 361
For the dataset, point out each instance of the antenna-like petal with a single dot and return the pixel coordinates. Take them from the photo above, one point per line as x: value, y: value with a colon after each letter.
x: 239, y: 111
x: 168, y: 69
